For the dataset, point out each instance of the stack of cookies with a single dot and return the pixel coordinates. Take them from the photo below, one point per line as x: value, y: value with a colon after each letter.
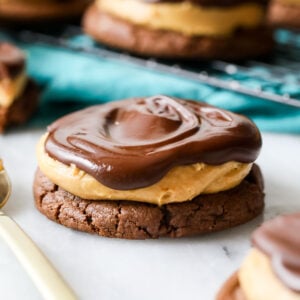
x: 227, y: 29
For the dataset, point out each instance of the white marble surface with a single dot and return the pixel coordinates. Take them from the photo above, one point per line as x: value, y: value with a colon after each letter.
x: 102, y: 268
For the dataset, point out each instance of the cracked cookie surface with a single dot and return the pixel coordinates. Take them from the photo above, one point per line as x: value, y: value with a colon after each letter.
x: 135, y: 220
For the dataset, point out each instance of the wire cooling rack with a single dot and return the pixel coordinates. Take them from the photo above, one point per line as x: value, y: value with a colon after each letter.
x: 276, y: 78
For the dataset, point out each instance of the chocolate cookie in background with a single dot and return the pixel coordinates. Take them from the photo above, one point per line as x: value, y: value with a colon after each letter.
x: 182, y: 29
x: 18, y: 93
x: 150, y: 167
x: 271, y: 271
x: 32, y: 11
x: 285, y: 13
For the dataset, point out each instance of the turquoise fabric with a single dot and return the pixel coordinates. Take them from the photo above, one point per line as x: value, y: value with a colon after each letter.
x: 71, y: 80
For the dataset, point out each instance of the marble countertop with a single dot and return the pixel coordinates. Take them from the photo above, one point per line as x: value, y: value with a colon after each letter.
x: 102, y: 268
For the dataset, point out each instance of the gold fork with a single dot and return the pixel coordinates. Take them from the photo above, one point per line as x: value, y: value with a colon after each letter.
x: 46, y: 278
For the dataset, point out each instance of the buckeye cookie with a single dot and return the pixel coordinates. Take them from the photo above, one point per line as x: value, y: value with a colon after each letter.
x: 271, y: 271
x: 182, y: 29
x: 40, y: 10
x: 18, y: 93
x: 285, y: 13
x: 150, y: 167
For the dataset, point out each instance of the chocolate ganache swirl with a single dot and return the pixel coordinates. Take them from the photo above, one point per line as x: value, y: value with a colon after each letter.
x: 133, y: 143
x: 280, y: 240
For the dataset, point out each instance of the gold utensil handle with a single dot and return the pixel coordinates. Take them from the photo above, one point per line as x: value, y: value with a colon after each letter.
x: 46, y: 278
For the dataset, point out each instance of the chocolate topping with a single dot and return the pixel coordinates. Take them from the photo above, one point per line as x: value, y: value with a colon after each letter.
x: 12, y: 61
x: 133, y: 143
x: 216, y: 3
x: 280, y: 240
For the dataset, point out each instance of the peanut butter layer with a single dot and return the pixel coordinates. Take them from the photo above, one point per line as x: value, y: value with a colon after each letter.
x: 180, y: 184
x: 186, y: 17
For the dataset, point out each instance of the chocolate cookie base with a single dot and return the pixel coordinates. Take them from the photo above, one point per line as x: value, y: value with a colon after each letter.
x: 135, y: 220
x: 30, y: 12
x: 143, y: 41
x: 284, y: 15
x: 21, y: 109
x: 231, y: 289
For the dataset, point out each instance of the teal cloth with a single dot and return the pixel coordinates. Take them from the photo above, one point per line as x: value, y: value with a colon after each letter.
x: 70, y: 81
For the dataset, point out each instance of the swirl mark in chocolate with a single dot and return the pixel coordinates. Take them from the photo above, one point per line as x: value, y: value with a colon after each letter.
x: 152, y: 122
x: 280, y: 240
x: 133, y: 143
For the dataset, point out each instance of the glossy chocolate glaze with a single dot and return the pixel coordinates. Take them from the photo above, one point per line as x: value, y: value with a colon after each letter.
x: 215, y: 3
x: 280, y: 240
x: 12, y: 61
x: 133, y: 143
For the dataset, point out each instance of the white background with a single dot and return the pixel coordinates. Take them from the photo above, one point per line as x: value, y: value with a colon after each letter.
x: 102, y: 268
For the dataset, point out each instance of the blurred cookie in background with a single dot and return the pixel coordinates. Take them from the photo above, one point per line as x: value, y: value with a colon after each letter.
x: 285, y: 13
x: 188, y: 29
x: 271, y: 271
x: 18, y: 93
